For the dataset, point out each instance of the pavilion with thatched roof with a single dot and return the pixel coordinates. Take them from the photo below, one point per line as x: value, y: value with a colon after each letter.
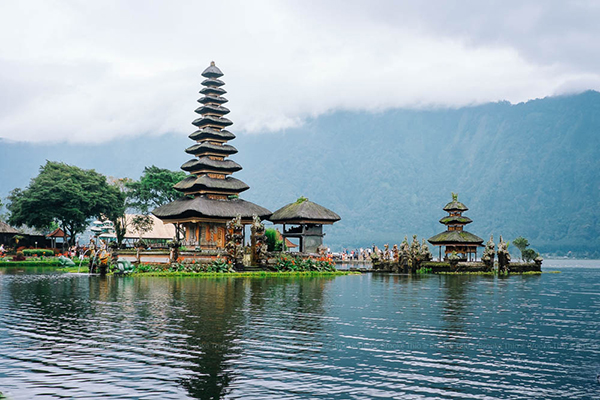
x: 455, y: 239
x: 211, y: 193
x: 307, y: 219
x: 7, y: 232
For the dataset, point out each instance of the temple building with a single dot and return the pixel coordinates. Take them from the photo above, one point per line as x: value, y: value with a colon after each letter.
x: 455, y: 238
x: 306, y: 219
x: 211, y: 193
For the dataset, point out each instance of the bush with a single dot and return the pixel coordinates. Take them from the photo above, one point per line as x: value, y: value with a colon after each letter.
x: 529, y: 255
x: 38, y: 252
x: 298, y: 264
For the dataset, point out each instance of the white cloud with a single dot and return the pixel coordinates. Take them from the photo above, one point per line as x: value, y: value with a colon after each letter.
x: 90, y: 71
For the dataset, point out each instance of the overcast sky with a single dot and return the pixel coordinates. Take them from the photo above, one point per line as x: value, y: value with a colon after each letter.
x: 84, y: 71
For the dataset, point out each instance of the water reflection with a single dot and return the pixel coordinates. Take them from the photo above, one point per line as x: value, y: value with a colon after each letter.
x: 367, y: 336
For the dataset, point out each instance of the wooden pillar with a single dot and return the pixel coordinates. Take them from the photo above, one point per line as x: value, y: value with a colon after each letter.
x: 283, y: 238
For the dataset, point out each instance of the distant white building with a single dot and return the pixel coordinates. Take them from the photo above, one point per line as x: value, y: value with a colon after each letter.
x: 158, y: 236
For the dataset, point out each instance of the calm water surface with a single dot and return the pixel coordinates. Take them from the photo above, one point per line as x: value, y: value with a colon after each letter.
x: 357, y: 337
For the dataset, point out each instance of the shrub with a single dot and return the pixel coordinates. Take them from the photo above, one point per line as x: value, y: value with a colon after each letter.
x: 38, y: 252
x: 293, y: 264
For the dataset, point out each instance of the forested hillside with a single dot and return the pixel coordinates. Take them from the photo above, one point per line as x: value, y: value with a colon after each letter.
x: 529, y: 169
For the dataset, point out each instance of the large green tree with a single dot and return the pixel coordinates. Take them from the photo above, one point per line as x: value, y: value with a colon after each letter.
x: 154, y: 188
x: 67, y: 195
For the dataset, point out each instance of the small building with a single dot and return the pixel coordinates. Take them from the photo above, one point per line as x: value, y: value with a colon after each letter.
x: 157, y: 236
x: 306, y: 219
x: 211, y: 193
x: 57, y: 236
x: 455, y: 239
x: 7, y: 232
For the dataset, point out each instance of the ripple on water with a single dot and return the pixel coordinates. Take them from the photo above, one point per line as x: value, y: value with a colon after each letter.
x: 347, y: 337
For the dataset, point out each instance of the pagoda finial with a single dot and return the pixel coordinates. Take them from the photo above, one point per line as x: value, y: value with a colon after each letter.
x: 454, y: 196
x: 212, y: 63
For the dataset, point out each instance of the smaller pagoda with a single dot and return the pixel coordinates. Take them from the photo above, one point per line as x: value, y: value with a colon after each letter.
x: 306, y: 219
x: 455, y: 239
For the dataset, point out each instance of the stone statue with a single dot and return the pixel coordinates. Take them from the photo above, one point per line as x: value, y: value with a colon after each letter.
x: 258, y: 242
x: 489, y: 253
x: 386, y: 252
x: 396, y: 253
x: 404, y: 253
x: 453, y: 259
x: 425, y: 253
x: 415, y: 251
x: 234, y: 239
x: 503, y: 256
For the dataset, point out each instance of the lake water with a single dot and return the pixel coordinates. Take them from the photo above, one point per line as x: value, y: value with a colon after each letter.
x: 347, y: 337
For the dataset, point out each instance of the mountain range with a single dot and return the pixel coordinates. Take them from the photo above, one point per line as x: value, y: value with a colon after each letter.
x: 529, y: 169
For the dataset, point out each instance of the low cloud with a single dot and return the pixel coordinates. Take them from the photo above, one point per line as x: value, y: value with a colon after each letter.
x: 89, y: 72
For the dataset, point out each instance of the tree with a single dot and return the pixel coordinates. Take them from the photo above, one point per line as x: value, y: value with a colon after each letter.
x: 117, y: 216
x: 154, y: 188
x: 65, y: 194
x: 2, y: 215
x: 521, y: 243
x: 529, y: 255
x: 274, y: 240
x: 142, y: 224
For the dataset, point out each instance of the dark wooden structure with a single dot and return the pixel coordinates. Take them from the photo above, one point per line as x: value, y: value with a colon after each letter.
x: 455, y: 239
x: 7, y: 232
x: 212, y: 194
x: 307, y: 220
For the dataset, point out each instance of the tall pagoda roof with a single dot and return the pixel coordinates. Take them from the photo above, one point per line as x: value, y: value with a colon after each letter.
x: 202, y: 207
x: 456, y: 220
x: 455, y: 205
x: 212, y: 71
x: 205, y: 183
x: 209, y: 148
x: 455, y: 237
x: 304, y: 211
x: 211, y: 133
x: 211, y: 192
x: 197, y: 164
x: 212, y: 99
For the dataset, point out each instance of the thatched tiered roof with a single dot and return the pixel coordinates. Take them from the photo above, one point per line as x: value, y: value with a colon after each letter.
x: 6, y: 228
x: 455, y: 237
x: 204, y: 208
x: 455, y: 234
x: 304, y: 211
x: 211, y: 191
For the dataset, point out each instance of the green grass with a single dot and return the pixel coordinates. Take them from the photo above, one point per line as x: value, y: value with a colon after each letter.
x: 259, y: 274
x: 84, y: 269
x: 27, y: 263
x: 254, y: 274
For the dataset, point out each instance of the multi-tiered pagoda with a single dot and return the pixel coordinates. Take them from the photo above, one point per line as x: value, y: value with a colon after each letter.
x: 455, y: 238
x: 211, y: 193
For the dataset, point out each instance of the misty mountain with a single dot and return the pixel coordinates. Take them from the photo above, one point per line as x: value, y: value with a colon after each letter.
x: 529, y: 169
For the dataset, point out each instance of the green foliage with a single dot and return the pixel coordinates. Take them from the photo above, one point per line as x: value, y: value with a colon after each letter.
x: 529, y: 255
x: 424, y: 270
x: 273, y: 241
x: 66, y: 194
x: 117, y: 215
x: 217, y: 266
x: 154, y: 188
x: 7, y: 262
x: 298, y: 264
x: 38, y: 252
x: 142, y: 224
x: 521, y: 243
